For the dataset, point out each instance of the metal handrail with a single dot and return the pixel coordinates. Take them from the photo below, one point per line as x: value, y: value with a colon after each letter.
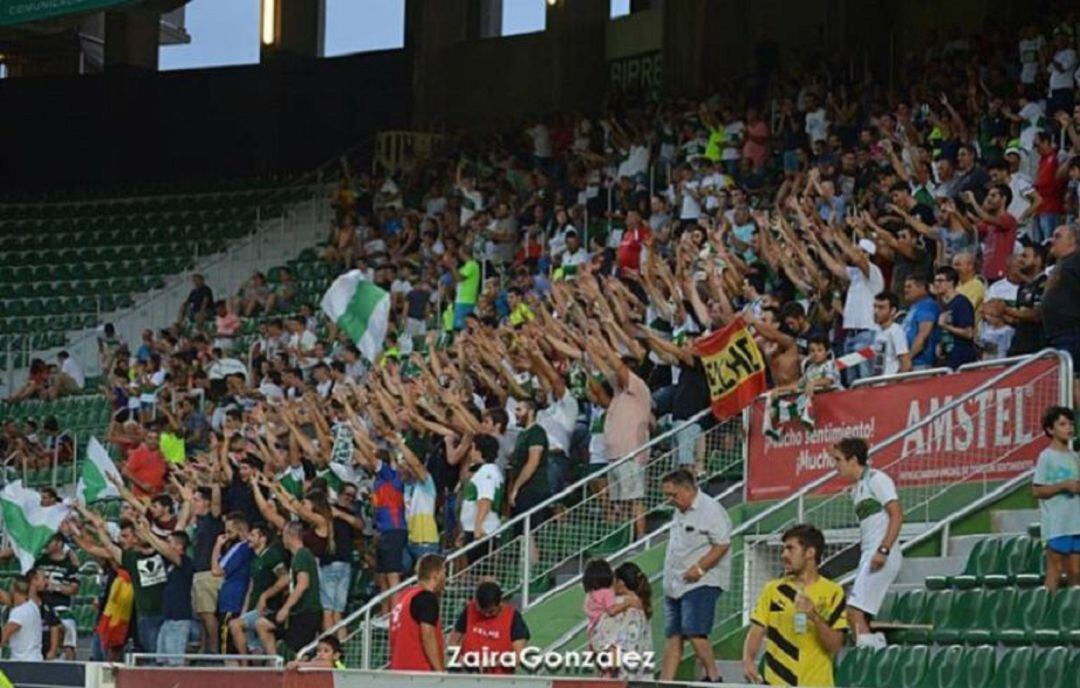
x: 899, y: 377
x: 1066, y: 375
x: 1066, y: 394
x: 645, y: 543
x: 523, y: 519
x: 131, y: 659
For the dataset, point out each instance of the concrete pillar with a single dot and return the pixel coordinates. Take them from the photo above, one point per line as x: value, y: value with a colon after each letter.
x: 301, y: 31
x: 430, y: 27
x: 576, y: 29
x: 131, y: 38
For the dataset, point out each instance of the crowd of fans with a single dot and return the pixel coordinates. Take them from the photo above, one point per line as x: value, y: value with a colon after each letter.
x: 546, y: 288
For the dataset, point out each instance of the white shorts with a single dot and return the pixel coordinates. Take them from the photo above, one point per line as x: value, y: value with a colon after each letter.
x: 870, y: 587
x: 626, y: 482
x: 71, y: 635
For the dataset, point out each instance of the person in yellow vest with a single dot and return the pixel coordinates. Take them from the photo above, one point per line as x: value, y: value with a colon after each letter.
x: 520, y: 313
x: 800, y: 617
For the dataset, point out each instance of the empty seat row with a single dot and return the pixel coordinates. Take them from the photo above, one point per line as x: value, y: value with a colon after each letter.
x: 997, y: 562
x: 959, y: 667
x: 1008, y: 616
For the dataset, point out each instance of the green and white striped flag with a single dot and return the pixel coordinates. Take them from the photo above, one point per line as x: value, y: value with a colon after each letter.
x: 28, y: 525
x: 361, y: 309
x: 94, y: 481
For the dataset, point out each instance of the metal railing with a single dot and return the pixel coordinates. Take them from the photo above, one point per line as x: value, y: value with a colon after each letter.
x: 929, y: 508
x: 150, y: 659
x: 528, y: 556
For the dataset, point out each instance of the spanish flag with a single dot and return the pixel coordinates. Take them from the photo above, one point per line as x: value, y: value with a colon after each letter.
x: 112, y: 627
x: 733, y: 366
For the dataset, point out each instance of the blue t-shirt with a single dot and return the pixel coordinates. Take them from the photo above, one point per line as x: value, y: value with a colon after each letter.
x: 924, y: 310
x: 176, y: 603
x: 959, y: 351
x: 388, y: 499
x: 236, y: 561
x: 1061, y: 513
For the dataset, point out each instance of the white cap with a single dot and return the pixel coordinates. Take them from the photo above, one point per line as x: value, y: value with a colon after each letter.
x: 868, y: 246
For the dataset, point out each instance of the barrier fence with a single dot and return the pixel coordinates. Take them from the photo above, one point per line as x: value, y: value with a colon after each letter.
x: 533, y: 559
x: 933, y: 485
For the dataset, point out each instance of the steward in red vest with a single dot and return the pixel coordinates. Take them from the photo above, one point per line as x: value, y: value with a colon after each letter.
x: 491, y: 634
x: 416, y: 638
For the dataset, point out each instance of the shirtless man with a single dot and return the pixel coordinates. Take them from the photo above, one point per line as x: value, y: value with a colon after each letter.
x: 779, y: 349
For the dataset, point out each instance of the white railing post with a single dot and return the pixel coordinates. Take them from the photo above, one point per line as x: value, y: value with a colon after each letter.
x: 526, y: 549
x: 365, y: 658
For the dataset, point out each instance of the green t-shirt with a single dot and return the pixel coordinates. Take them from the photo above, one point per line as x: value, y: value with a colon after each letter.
x: 148, y: 578
x: 265, y: 568
x: 304, y: 561
x: 468, y: 289
x: 172, y: 448
x: 531, y: 437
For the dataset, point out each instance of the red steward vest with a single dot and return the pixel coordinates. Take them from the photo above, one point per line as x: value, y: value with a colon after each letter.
x: 491, y: 634
x: 406, y: 648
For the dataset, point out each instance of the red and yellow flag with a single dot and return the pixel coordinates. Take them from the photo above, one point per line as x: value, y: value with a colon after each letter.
x: 733, y: 366
x: 112, y: 627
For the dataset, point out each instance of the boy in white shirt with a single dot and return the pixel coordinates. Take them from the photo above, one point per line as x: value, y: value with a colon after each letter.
x: 880, y: 518
x: 890, y: 342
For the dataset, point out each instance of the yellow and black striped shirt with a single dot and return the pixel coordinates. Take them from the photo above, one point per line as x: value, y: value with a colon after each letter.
x: 797, y: 659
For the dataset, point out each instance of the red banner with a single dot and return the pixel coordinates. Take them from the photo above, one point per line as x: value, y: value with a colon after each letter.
x: 1001, y: 422
x: 734, y: 368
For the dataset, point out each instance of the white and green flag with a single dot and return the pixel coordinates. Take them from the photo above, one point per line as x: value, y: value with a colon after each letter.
x: 94, y: 483
x: 361, y: 309
x: 28, y: 525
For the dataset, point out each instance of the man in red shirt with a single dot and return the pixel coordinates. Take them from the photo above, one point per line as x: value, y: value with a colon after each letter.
x: 145, y: 467
x: 416, y: 638
x: 1051, y: 180
x: 486, y: 628
x: 633, y: 243
x: 997, y: 228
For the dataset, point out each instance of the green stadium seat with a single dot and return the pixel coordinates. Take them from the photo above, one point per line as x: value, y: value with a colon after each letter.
x: 961, y: 615
x: 1034, y: 573
x: 1051, y: 668
x: 945, y: 668
x: 853, y: 666
x: 933, y: 610
x: 1028, y: 611
x: 1061, y: 618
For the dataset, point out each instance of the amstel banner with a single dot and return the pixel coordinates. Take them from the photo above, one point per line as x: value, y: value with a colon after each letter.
x: 999, y: 424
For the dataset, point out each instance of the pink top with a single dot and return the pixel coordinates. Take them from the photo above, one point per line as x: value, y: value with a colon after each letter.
x: 626, y: 425
x: 227, y: 325
x: 598, y: 603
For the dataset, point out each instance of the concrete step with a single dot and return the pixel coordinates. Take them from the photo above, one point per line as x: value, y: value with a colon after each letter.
x: 961, y: 545
x: 1014, y: 522
x: 916, y: 569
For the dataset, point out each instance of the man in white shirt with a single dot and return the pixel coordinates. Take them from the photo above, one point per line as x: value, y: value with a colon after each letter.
x: 865, y: 281
x: 70, y: 367
x: 817, y: 122
x: 890, y: 341
x: 684, y: 192
x: 22, y: 632
x: 1062, y: 80
x: 880, y: 515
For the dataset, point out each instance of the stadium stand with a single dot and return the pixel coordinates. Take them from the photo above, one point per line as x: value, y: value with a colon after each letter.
x: 532, y: 281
